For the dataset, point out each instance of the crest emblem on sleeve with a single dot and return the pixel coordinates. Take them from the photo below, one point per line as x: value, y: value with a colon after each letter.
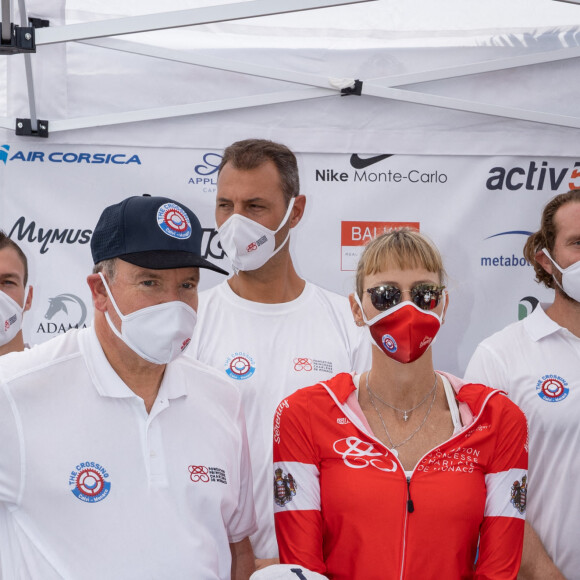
x: 519, y: 494
x: 284, y: 487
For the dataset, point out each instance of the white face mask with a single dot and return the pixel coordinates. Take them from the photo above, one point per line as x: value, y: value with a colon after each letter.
x: 248, y: 244
x: 159, y: 333
x: 10, y: 317
x: 570, y: 278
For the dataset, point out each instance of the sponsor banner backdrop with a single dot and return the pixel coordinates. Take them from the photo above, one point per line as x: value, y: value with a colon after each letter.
x: 478, y: 210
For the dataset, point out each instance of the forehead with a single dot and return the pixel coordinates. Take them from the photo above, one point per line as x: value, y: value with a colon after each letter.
x: 132, y: 272
x: 262, y: 181
x: 10, y: 263
x: 402, y: 276
x: 567, y: 221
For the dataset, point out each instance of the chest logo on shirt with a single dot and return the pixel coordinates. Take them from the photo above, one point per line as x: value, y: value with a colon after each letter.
x: 89, y: 482
x: 284, y: 487
x: 519, y: 494
x: 552, y: 388
x: 203, y: 474
x: 356, y: 453
x: 310, y: 364
x: 240, y: 366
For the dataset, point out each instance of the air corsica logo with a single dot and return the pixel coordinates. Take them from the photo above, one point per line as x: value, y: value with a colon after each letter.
x: 552, y: 388
x: 174, y: 221
x: 68, y: 157
x: 4, y: 153
x: 88, y: 482
x: 534, y: 177
x: 67, y: 306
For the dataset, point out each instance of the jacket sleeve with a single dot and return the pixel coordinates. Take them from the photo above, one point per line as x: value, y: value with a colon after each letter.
x: 296, y: 486
x: 502, y: 530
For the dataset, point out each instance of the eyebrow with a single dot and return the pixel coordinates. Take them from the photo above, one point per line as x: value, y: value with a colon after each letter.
x: 250, y: 200
x: 11, y: 275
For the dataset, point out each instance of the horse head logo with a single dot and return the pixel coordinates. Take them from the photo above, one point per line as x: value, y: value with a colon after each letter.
x: 59, y: 303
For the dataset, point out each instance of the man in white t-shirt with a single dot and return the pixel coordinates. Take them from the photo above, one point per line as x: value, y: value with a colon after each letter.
x: 15, y: 294
x: 119, y: 457
x: 265, y: 328
x: 537, y: 361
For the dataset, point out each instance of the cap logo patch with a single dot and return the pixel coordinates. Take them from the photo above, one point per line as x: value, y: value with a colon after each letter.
x: 174, y: 221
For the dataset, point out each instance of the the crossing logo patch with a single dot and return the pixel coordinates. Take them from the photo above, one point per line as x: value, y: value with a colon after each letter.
x: 89, y: 482
x: 552, y: 388
x: 174, y: 221
x: 240, y: 366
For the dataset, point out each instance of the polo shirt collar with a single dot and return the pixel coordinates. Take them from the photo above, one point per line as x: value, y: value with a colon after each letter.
x: 109, y: 384
x: 539, y: 325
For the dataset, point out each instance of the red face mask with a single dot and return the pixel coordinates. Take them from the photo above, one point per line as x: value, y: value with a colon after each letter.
x: 403, y: 332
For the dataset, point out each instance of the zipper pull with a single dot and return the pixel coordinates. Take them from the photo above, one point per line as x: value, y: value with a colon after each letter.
x: 410, y: 505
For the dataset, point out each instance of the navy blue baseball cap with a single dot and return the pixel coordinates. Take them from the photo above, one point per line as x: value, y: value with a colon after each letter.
x: 151, y: 232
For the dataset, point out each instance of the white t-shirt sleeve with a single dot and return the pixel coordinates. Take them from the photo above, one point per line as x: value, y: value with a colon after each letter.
x: 243, y: 521
x: 10, y: 451
x: 487, y: 368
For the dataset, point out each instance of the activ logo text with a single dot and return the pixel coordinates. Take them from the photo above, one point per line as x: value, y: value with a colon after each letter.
x: 534, y: 176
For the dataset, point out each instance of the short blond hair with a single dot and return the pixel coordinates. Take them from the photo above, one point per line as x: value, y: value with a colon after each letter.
x: 404, y: 248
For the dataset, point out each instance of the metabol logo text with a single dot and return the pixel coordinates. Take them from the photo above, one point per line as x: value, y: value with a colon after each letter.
x: 506, y: 260
x: 66, y: 157
x: 535, y: 176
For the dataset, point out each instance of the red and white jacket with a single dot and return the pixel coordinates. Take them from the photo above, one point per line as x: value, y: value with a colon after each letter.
x: 345, y: 508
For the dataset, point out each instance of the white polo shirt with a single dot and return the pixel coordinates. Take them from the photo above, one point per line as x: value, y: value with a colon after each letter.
x: 269, y: 351
x: 95, y: 488
x: 538, y: 363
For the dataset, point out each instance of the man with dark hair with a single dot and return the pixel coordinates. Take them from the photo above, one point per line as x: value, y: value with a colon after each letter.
x: 15, y: 294
x: 536, y: 361
x: 265, y: 328
x: 119, y: 457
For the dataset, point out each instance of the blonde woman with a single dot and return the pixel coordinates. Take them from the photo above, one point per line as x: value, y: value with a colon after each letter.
x: 400, y: 472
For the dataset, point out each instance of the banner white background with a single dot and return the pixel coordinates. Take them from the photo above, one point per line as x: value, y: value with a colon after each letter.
x: 476, y: 209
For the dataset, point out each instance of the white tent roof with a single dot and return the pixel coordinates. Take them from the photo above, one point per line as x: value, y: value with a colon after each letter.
x: 429, y: 70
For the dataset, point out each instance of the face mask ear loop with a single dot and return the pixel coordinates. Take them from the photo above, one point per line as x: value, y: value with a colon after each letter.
x: 545, y: 251
x: 121, y: 316
x: 358, y: 301
x: 286, y: 217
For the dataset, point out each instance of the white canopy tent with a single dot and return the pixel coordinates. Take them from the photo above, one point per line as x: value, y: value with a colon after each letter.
x: 466, y: 123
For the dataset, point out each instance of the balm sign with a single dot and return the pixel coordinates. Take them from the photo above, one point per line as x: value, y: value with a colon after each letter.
x: 355, y: 235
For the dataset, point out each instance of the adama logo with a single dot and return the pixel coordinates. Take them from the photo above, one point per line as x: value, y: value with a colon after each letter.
x: 68, y: 157
x: 534, y: 177
x: 526, y: 306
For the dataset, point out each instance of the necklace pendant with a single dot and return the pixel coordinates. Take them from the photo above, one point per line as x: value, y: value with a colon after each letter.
x: 405, y: 416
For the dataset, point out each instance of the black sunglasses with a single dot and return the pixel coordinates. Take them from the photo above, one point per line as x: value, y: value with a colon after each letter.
x: 425, y: 296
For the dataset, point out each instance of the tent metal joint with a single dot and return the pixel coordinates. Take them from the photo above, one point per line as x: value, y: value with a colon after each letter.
x: 22, y: 41
x: 39, y: 22
x: 355, y: 89
x: 24, y: 128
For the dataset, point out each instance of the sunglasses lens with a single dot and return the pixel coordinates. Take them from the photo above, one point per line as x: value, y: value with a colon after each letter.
x: 384, y: 297
x: 426, y: 297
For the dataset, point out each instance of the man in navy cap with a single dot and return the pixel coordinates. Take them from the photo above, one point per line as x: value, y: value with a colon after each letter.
x: 119, y: 458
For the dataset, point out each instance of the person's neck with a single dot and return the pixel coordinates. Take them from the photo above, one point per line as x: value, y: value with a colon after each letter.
x: 565, y: 313
x: 141, y: 376
x: 401, y: 385
x: 275, y: 282
x: 15, y: 345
